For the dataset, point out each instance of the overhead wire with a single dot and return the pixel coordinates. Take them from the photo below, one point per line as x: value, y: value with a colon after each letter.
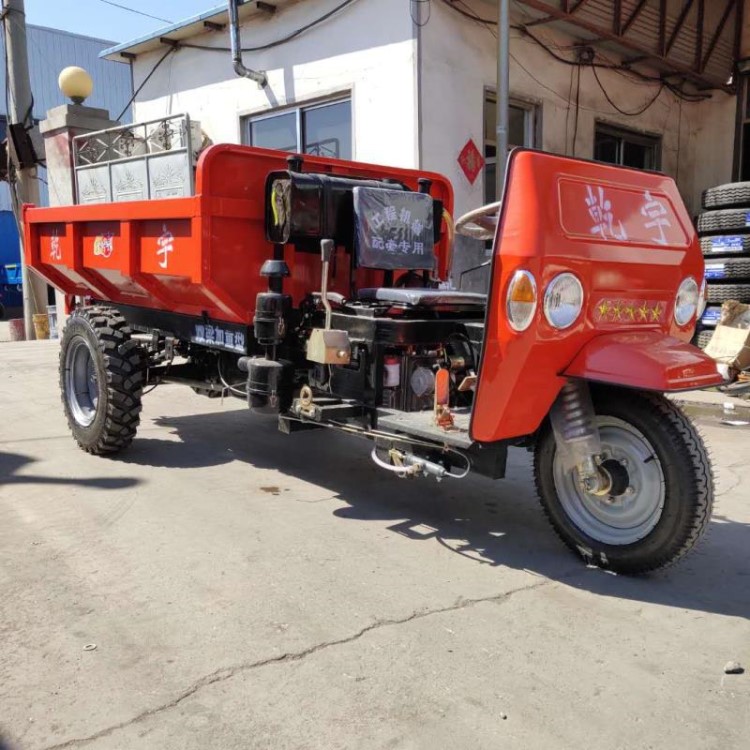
x: 146, y: 79
x: 640, y: 111
x: 567, y: 111
x: 277, y: 42
x: 489, y: 23
x: 613, y: 67
x: 469, y: 13
x: 578, y: 109
x: 134, y: 10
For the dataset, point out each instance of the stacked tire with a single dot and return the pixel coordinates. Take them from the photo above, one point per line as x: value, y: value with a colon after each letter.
x: 724, y: 231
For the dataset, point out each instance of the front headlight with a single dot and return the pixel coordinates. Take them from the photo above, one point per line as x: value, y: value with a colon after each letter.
x: 520, y: 302
x: 563, y: 301
x: 686, y: 303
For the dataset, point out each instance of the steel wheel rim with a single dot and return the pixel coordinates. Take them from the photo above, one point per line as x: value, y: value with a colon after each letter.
x: 627, y: 518
x: 81, y: 382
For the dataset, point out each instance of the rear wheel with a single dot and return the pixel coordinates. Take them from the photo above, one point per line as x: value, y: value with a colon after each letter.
x: 662, y: 493
x: 101, y: 379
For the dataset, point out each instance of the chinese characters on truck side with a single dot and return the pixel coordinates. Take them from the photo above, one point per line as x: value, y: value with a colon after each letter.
x: 211, y: 334
x: 607, y: 226
x: 389, y: 217
x: 656, y: 211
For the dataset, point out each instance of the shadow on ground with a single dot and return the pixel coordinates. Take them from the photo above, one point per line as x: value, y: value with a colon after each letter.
x: 485, y: 522
x: 11, y: 465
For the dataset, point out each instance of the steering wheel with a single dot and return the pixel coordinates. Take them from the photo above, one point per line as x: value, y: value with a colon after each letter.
x: 480, y: 223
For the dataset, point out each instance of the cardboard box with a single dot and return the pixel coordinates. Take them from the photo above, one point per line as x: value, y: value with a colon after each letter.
x: 730, y: 346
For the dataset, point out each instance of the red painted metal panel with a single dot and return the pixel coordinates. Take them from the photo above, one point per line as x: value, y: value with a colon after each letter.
x: 196, y: 254
x: 645, y: 359
x: 597, y: 221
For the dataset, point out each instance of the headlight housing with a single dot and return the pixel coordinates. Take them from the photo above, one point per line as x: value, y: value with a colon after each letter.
x: 563, y: 301
x: 520, y: 302
x: 686, y: 302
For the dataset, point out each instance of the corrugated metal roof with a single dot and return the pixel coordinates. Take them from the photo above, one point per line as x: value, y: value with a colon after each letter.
x: 190, y: 27
x: 51, y: 50
x: 639, y: 39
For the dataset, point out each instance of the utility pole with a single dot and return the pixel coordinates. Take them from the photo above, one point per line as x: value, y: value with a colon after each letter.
x: 503, y: 87
x: 20, y: 104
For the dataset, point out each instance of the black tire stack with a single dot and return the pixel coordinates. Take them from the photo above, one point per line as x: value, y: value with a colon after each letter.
x: 724, y: 231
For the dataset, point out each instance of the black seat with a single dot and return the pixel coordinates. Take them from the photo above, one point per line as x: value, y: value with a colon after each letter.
x: 422, y: 297
x: 395, y: 231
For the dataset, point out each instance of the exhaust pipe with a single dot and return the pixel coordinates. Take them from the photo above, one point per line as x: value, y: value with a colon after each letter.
x: 234, y: 35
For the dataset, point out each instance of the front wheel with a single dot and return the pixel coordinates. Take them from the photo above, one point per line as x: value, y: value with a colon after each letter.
x: 662, y: 489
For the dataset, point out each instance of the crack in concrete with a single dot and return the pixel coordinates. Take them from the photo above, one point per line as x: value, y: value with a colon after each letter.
x: 226, y: 673
x: 737, y: 481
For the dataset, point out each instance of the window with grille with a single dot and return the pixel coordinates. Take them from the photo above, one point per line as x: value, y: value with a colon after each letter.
x: 627, y: 148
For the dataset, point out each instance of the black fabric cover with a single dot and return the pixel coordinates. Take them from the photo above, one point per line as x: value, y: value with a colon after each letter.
x: 394, y: 229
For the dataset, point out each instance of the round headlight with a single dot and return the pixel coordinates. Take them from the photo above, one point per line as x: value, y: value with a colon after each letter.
x: 521, y: 300
x: 686, y: 303
x: 563, y: 301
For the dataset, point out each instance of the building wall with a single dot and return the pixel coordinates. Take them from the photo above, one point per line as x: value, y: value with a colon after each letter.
x: 367, y: 49
x: 51, y: 50
x: 397, y: 69
x: 458, y: 61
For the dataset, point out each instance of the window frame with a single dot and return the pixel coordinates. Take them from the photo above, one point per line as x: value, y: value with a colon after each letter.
x: 298, y: 108
x: 636, y: 137
x: 742, y: 123
x: 532, y: 130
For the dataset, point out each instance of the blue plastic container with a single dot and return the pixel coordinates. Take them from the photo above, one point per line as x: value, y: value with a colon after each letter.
x: 11, y: 294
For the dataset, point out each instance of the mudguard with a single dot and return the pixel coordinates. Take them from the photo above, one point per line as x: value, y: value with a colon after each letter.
x: 649, y: 360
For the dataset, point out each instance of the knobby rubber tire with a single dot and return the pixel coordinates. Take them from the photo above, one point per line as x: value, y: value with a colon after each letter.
x: 689, y: 486
x: 733, y: 194
x: 120, y: 366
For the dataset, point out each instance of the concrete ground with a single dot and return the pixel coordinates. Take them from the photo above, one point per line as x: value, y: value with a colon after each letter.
x: 243, y: 589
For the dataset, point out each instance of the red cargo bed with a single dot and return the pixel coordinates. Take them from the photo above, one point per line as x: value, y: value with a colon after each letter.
x: 199, y: 255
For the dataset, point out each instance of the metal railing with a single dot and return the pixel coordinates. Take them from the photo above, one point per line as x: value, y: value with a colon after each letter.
x: 151, y: 159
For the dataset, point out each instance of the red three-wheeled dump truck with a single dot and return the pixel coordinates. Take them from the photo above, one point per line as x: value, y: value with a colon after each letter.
x: 320, y: 292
